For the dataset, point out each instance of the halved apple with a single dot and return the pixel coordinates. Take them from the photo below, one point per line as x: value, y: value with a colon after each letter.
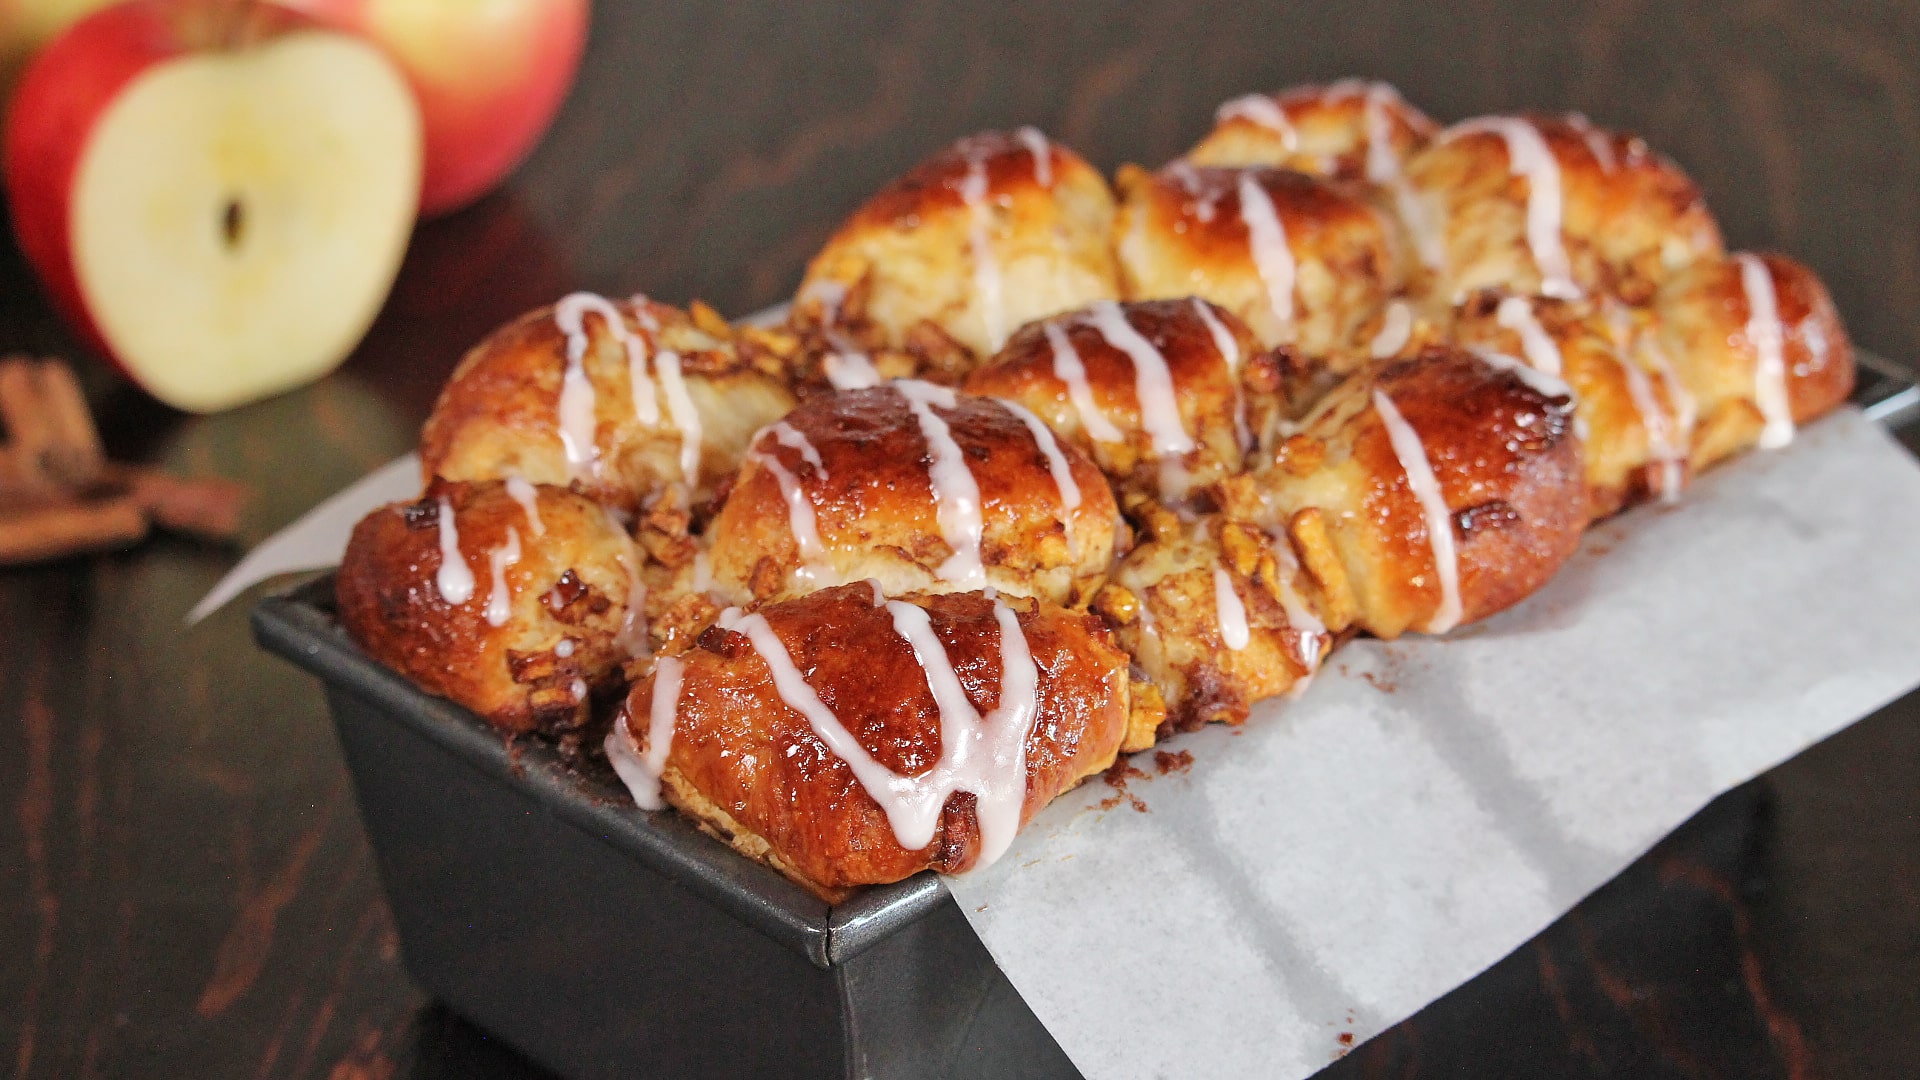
x: 489, y: 75
x: 218, y: 195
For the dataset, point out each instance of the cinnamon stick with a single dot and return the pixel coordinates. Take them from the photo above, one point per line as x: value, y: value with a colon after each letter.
x: 58, y: 529
x: 58, y: 493
x: 206, y: 508
x: 52, y: 444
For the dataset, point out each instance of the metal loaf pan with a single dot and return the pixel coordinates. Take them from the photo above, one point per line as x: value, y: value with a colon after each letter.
x: 605, y: 941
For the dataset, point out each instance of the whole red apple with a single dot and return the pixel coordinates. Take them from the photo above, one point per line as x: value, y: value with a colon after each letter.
x: 490, y: 76
x: 218, y: 194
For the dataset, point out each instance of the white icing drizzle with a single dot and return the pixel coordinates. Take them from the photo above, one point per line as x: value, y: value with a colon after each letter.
x: 455, y: 579
x: 983, y: 755
x: 1768, y: 337
x: 1516, y: 314
x: 1817, y: 343
x: 986, y: 266
x: 500, y: 599
x: 633, y: 624
x: 1152, y: 380
x: 1675, y: 428
x: 578, y: 422
x: 800, y: 517
x: 1547, y: 385
x: 1223, y: 341
x: 564, y: 649
x: 1529, y: 156
x: 791, y: 437
x: 1396, y: 328
x: 1686, y: 412
x: 1426, y: 488
x: 1598, y: 143
x: 1307, y: 627
x: 1267, y: 239
x: 1263, y: 110
x: 702, y: 572
x: 1056, y: 461
x: 1036, y: 144
x: 956, y: 494
x: 1205, y: 198
x: 1383, y: 162
x: 1384, y: 167
x: 1417, y: 214
x: 1229, y: 611
x: 1661, y: 444
x: 641, y: 772
x: 685, y: 416
x: 847, y: 367
x: 529, y: 499
x: 1068, y: 368
x: 1667, y: 434
x: 1229, y: 350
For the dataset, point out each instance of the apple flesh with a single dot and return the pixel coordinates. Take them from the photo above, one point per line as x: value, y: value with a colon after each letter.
x: 490, y: 76
x: 218, y: 197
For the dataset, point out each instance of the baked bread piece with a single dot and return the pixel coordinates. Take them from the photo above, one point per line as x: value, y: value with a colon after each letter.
x: 1758, y: 346
x: 847, y: 739
x: 1216, y: 614
x: 1553, y: 206
x: 1351, y: 130
x: 1426, y: 493
x: 920, y: 487
x: 1635, y: 418
x: 1430, y: 364
x: 1302, y: 260
x: 553, y: 397
x: 542, y: 606
x: 1150, y: 390
x: 992, y: 232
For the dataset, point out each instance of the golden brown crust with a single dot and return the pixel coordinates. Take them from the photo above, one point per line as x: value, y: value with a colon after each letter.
x: 1703, y: 316
x: 1631, y: 217
x: 787, y: 799
x: 1507, y: 463
x: 908, y: 254
x: 873, y: 504
x: 1633, y: 427
x: 1182, y: 232
x: 561, y: 638
x: 1165, y: 605
x: 1330, y: 131
x: 499, y: 414
x: 1205, y: 381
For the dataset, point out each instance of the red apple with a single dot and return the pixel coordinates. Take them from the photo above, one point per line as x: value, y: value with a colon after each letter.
x: 218, y: 194
x: 26, y: 25
x: 490, y: 74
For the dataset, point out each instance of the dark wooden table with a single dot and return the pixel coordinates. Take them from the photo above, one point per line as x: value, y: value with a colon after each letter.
x: 184, y: 888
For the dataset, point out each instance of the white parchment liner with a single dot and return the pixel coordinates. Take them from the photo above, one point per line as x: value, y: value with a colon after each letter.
x: 1430, y: 805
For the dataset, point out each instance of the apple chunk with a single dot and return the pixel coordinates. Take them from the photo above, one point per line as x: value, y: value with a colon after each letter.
x: 238, y: 217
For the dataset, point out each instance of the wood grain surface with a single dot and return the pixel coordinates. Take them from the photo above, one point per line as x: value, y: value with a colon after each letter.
x: 184, y: 887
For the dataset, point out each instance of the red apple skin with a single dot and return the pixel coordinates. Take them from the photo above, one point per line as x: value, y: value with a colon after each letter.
x: 64, y: 91
x: 487, y: 92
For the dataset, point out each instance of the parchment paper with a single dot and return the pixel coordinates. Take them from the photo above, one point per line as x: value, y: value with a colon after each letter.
x: 1430, y: 805
x: 319, y: 538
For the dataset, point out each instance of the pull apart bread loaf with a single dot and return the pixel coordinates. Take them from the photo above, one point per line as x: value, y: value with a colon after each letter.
x: 1032, y: 476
